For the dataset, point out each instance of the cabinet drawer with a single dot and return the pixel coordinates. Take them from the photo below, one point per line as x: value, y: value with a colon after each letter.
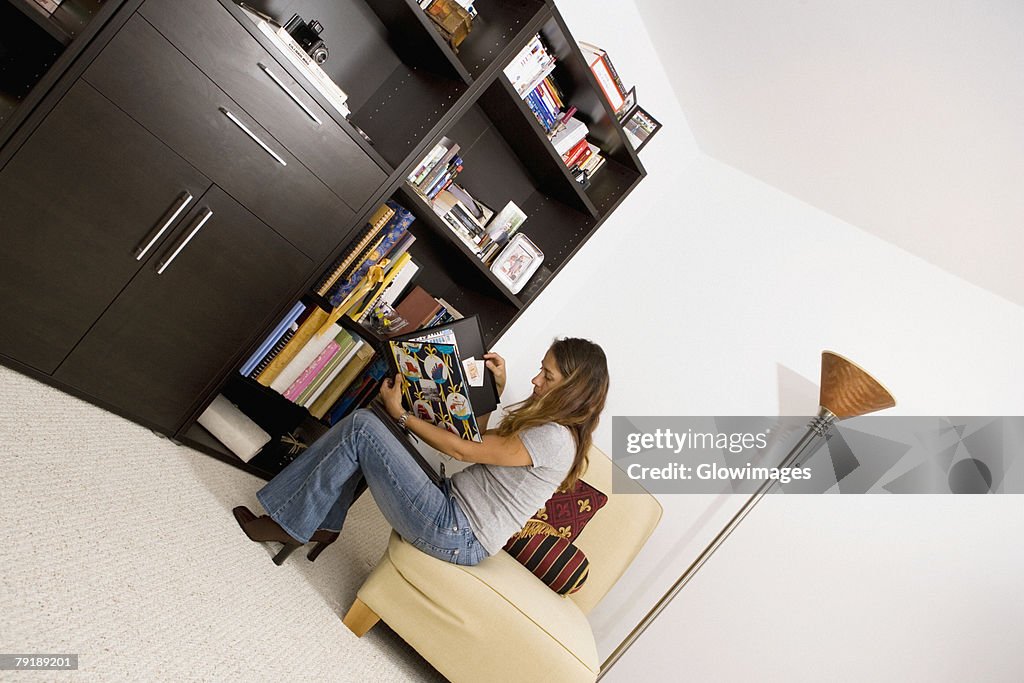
x: 209, y: 36
x: 154, y: 83
x: 88, y: 199
x: 183, y: 318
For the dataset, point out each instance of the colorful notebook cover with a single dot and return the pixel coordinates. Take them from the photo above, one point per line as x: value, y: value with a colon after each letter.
x: 435, y: 387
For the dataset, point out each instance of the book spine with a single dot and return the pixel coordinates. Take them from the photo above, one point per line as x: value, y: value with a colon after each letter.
x: 330, y: 395
x: 333, y: 370
x: 272, y: 338
x: 307, y: 375
x: 344, y: 288
x: 346, y: 342
x: 281, y: 343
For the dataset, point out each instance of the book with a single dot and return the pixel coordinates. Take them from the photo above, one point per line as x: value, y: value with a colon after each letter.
x: 528, y: 68
x: 312, y: 370
x: 391, y: 235
x: 347, y: 345
x: 306, y: 330
x: 413, y: 312
x: 272, y: 338
x: 568, y: 136
x: 359, y: 390
x: 277, y: 348
x: 435, y: 385
x: 313, y: 347
x: 598, y: 64
x: 575, y: 155
x: 309, y: 69
x: 336, y: 386
x: 590, y: 47
x: 399, y: 265
x: 377, y: 221
x: 391, y: 292
x: 433, y: 157
x: 437, y: 169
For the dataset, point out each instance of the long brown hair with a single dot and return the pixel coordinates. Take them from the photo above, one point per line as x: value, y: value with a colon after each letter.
x: 576, y: 402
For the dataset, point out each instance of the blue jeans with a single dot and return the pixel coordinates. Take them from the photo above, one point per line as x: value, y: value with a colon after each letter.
x: 316, y: 489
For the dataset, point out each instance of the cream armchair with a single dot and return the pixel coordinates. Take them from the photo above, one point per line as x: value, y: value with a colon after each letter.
x: 496, y: 620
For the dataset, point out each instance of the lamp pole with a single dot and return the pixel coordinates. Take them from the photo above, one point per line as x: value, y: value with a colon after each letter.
x: 846, y: 391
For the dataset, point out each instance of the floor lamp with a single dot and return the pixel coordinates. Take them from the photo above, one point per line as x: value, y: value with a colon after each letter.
x: 846, y: 391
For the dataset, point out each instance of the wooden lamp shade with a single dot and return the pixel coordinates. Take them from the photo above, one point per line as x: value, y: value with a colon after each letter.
x: 847, y: 390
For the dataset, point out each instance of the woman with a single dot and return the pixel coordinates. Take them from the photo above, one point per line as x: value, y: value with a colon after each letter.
x: 541, y: 444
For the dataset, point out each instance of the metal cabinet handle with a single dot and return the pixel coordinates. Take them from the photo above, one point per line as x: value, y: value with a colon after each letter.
x: 184, y: 200
x: 165, y: 263
x: 252, y: 135
x: 289, y: 93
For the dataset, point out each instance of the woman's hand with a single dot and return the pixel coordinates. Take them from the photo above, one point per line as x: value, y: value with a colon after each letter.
x: 391, y: 396
x: 496, y: 364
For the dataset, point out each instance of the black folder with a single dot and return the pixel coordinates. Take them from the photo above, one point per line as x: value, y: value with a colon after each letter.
x: 469, y: 337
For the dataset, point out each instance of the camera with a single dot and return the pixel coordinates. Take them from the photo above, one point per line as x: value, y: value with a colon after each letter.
x: 308, y: 36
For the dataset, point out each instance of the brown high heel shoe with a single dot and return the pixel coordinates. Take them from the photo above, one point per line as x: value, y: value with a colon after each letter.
x: 263, y: 529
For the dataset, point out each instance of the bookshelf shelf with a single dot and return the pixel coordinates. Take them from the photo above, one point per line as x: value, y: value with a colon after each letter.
x: 406, y: 89
x: 405, y: 110
x: 501, y: 26
x: 427, y: 217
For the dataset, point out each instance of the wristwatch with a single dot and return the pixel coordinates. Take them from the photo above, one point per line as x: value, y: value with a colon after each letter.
x: 403, y: 418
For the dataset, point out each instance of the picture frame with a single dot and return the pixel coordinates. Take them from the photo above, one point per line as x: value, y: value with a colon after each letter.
x: 640, y: 127
x: 627, y: 106
x: 517, y: 262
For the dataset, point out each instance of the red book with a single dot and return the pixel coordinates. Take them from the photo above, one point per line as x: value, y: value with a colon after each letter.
x: 576, y: 150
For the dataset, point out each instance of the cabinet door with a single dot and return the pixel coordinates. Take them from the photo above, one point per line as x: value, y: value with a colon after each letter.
x: 157, y: 86
x: 180, y: 323
x: 224, y: 50
x: 85, y: 202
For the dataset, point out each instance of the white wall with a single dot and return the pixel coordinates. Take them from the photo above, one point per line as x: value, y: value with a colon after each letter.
x: 903, y: 118
x: 714, y: 293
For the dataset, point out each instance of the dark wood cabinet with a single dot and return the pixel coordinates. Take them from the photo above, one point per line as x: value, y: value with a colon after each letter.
x: 159, y: 87
x: 170, y: 184
x: 213, y: 40
x: 158, y: 347
x: 84, y: 205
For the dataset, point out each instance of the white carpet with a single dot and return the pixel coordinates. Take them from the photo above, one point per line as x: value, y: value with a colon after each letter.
x: 120, y: 546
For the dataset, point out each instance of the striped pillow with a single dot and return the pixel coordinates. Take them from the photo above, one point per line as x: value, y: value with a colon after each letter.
x: 552, y: 559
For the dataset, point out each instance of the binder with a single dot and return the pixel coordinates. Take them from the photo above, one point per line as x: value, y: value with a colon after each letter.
x: 469, y: 342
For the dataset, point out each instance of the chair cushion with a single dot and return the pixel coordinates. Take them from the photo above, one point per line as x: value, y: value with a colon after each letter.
x: 554, y: 560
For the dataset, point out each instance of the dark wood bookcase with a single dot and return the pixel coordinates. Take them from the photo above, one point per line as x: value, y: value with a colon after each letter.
x: 156, y: 77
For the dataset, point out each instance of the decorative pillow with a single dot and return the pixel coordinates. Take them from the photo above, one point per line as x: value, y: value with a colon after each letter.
x: 552, y: 559
x: 569, y: 511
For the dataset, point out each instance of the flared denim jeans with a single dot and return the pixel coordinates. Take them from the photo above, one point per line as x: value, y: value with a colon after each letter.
x: 316, y: 489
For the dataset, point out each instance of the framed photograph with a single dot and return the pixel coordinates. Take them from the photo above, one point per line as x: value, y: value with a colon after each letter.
x: 627, y: 105
x: 517, y: 262
x: 640, y: 127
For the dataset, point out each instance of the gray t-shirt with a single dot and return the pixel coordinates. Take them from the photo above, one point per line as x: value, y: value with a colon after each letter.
x: 498, y: 500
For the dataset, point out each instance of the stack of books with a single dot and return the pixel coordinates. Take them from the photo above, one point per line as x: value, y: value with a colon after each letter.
x: 581, y: 156
x: 418, y: 309
x: 531, y: 67
x: 437, y: 170
x: 531, y: 75
x: 311, y: 364
x: 385, y: 236
x: 466, y: 217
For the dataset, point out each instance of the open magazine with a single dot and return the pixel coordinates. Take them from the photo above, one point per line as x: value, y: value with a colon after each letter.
x: 445, y: 380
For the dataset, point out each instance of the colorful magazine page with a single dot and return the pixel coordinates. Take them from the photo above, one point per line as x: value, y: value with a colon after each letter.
x: 435, y: 388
